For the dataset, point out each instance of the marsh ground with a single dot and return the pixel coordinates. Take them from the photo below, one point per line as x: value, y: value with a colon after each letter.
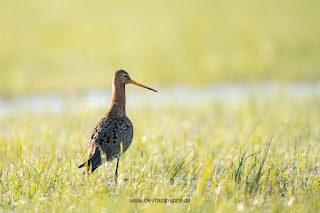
x: 252, y: 155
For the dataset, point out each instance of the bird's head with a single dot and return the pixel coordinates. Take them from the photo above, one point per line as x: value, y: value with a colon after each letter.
x: 123, y: 77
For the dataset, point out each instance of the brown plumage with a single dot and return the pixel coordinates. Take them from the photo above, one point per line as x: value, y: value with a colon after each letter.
x: 115, y: 129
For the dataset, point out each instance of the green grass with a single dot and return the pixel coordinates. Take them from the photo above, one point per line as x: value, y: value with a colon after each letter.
x: 75, y: 45
x: 257, y: 155
x: 254, y: 156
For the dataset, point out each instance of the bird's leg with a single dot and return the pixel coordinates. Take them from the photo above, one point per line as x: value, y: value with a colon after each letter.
x: 116, y: 173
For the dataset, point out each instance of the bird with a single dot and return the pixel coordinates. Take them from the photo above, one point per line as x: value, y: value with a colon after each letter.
x: 112, y: 135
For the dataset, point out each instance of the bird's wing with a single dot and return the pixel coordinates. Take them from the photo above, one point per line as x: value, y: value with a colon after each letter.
x: 109, y: 135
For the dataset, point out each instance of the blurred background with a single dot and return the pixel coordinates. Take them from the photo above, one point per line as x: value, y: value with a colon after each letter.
x: 71, y: 46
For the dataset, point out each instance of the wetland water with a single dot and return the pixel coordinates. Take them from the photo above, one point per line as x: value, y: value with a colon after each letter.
x: 178, y: 95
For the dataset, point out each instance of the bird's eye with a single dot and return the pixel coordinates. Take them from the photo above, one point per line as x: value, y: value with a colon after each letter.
x: 126, y: 76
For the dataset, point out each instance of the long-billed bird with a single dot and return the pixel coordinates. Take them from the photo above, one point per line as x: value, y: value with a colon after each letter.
x: 113, y: 134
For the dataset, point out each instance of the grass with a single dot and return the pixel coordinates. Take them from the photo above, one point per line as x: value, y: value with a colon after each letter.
x: 253, y: 156
x: 76, y: 45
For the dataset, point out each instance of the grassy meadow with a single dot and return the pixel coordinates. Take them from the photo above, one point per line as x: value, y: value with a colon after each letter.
x: 251, y: 156
x: 257, y: 154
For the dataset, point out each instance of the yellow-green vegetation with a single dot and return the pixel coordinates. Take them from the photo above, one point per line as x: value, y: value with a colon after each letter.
x: 252, y: 156
x: 75, y: 45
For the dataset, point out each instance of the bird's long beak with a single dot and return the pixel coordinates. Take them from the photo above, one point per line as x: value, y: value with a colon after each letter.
x: 140, y: 85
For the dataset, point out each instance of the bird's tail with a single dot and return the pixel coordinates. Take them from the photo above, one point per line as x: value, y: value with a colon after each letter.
x: 94, y: 162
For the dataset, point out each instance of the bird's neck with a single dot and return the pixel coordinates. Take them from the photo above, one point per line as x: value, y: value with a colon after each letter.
x: 118, y: 100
